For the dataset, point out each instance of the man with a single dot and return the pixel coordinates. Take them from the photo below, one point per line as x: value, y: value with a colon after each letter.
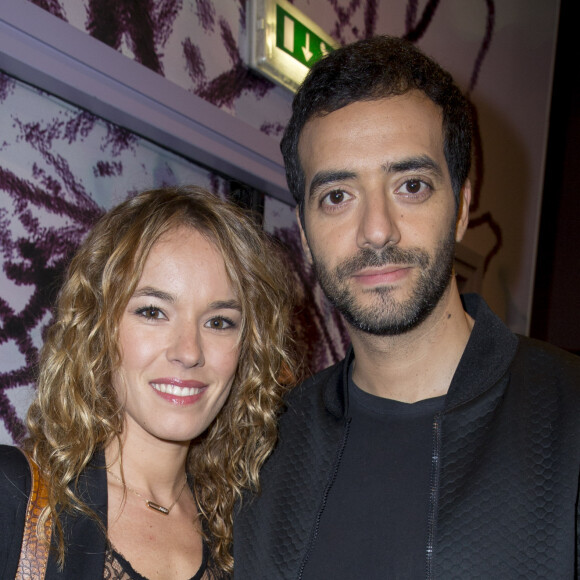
x: 442, y: 446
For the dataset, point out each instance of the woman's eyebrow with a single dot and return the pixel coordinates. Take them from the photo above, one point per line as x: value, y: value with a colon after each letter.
x: 154, y: 293
x: 226, y: 304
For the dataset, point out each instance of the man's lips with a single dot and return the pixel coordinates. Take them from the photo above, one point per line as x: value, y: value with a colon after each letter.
x: 385, y: 275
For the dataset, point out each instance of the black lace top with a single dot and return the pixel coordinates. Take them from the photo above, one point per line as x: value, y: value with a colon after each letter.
x: 119, y: 568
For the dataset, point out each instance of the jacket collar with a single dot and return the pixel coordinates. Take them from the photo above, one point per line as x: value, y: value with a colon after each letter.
x: 489, y: 351
x: 336, y: 386
x: 488, y: 354
x: 84, y: 537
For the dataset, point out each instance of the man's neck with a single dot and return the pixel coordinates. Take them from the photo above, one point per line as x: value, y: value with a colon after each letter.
x: 419, y: 364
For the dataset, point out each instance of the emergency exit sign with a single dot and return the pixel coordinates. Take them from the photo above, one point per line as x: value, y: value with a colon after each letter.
x: 284, y: 43
x: 294, y: 37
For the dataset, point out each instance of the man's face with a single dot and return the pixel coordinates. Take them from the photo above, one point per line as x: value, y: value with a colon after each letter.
x: 379, y: 214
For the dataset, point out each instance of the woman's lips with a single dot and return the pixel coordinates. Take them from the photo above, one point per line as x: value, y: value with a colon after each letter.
x: 179, y: 392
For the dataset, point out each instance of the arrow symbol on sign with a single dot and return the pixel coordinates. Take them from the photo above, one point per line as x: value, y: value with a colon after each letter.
x: 306, y: 49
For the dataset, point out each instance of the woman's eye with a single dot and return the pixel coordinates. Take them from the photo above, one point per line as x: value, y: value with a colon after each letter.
x: 150, y: 313
x: 220, y: 323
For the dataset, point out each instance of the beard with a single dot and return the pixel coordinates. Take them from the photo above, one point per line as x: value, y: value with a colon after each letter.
x: 386, y: 316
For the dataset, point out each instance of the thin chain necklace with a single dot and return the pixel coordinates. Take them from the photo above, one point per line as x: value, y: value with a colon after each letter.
x: 150, y: 503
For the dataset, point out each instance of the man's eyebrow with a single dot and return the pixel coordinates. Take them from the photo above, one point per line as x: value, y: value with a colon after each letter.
x: 419, y: 163
x: 326, y: 177
x: 226, y: 304
x: 154, y: 293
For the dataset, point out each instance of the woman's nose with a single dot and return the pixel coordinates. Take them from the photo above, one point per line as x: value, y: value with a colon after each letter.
x: 186, y: 348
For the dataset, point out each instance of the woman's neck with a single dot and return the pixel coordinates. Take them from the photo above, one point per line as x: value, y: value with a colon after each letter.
x: 151, y: 466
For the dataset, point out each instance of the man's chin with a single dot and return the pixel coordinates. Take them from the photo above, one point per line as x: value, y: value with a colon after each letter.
x: 392, y: 326
x: 389, y: 313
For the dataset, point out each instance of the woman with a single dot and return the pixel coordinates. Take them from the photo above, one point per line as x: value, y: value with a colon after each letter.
x: 158, y: 390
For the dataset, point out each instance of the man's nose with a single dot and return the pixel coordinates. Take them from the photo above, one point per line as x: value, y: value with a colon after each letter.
x: 378, y: 220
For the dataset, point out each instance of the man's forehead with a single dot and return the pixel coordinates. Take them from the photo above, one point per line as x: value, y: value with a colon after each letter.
x: 357, y: 110
x: 413, y: 111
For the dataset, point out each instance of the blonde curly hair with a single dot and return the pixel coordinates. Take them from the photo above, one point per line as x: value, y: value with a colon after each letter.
x: 76, y: 411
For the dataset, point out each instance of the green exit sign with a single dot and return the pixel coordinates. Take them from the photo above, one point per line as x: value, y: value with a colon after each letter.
x: 284, y: 43
x: 299, y: 41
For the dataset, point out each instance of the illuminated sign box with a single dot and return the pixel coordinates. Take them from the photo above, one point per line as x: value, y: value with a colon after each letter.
x: 284, y: 43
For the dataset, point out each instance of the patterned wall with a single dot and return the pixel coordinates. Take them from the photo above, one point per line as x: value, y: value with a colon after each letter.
x: 200, y: 46
x: 61, y: 167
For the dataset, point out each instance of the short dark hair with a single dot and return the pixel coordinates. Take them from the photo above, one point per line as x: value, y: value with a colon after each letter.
x: 373, y: 69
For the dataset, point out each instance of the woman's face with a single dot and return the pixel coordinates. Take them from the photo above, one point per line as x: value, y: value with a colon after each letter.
x: 178, y: 339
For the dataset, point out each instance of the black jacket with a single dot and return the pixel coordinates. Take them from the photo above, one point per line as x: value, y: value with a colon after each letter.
x: 85, y: 539
x: 86, y: 544
x: 505, y: 471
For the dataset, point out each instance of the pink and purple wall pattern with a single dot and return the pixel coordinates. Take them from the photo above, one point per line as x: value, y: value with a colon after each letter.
x: 61, y: 167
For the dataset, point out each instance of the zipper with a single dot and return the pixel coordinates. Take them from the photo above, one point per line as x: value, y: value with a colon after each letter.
x: 332, y: 478
x: 433, y: 497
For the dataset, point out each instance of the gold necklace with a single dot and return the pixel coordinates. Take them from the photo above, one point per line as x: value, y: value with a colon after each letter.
x: 150, y: 503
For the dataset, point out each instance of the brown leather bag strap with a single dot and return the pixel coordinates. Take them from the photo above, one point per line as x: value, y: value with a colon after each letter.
x: 34, y: 551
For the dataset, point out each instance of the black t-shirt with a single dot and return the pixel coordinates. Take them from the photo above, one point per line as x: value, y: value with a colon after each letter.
x: 374, y: 525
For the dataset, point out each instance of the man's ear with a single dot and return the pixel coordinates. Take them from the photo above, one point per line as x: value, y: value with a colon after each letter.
x: 303, y: 239
x: 463, y: 212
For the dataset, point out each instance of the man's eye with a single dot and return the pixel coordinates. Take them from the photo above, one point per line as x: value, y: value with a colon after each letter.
x: 150, y: 312
x: 414, y: 186
x: 335, y: 197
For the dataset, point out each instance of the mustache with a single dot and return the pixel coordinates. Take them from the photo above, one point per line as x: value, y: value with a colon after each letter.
x: 368, y: 258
